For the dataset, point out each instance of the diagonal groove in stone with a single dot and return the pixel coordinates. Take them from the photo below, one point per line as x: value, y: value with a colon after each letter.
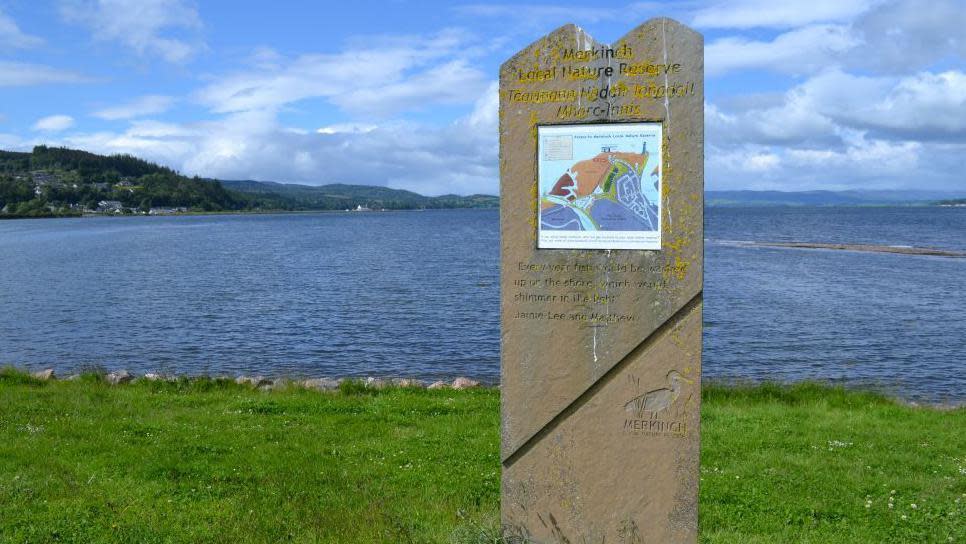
x: 588, y: 393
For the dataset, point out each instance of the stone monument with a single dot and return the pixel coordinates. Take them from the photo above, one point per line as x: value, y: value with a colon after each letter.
x: 602, y: 195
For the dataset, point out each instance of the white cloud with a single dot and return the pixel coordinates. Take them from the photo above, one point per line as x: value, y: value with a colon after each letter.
x: 824, y: 110
x: 486, y: 109
x: 379, y: 80
x: 860, y: 163
x: 347, y: 128
x: 763, y: 162
x: 793, y: 122
x: 904, y: 36
x: 924, y: 106
x: 852, y: 117
x: 19, y: 74
x: 12, y: 36
x: 54, y: 123
x: 459, y: 157
x: 838, y: 130
x: 800, y: 51
x: 11, y: 142
x: 163, y: 28
x: 371, y: 83
x: 453, y: 82
x: 139, y: 107
x: 157, y: 129
x: 894, y: 37
x: 778, y: 14
x: 876, y: 158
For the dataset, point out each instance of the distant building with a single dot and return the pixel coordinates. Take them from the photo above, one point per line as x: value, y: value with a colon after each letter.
x: 43, y: 177
x: 110, y: 206
x: 166, y: 211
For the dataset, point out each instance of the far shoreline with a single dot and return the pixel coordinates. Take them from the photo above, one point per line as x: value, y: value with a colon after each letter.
x: 5, y: 217
x: 859, y: 248
x: 708, y: 206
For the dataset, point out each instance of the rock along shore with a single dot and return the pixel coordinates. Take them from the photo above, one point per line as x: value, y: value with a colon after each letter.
x: 119, y: 377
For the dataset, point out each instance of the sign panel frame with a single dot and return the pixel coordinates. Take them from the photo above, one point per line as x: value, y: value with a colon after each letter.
x: 600, y: 185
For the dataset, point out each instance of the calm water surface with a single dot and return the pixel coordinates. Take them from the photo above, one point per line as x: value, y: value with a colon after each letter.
x: 416, y: 294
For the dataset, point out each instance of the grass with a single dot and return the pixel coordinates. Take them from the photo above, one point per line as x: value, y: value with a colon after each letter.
x: 816, y: 464
x: 210, y: 461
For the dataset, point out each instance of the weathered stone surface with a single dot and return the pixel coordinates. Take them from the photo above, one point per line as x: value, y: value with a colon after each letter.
x: 118, y: 377
x: 254, y: 381
x: 321, y: 384
x: 600, y: 417
x: 438, y: 385
x: 464, y: 383
x: 279, y: 383
x: 376, y: 383
x: 406, y: 382
x: 46, y: 374
x: 159, y: 377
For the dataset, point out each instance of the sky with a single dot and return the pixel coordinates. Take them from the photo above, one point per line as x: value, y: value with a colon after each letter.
x: 799, y: 95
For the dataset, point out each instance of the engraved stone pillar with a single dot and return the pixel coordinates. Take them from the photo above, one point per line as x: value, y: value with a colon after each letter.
x: 602, y: 193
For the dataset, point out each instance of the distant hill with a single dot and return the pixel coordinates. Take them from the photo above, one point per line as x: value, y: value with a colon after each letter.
x: 340, y: 196
x: 55, y: 182
x: 825, y: 198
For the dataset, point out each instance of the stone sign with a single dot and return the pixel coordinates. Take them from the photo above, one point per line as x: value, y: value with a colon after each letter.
x: 602, y: 193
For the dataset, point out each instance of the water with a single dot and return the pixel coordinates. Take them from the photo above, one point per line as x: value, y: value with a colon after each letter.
x: 407, y: 293
x: 417, y: 294
x: 891, y: 322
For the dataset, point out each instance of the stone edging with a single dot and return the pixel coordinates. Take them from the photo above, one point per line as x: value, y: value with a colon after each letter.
x: 119, y: 377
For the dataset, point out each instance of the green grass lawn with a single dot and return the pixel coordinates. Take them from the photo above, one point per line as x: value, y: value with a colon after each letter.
x: 210, y: 461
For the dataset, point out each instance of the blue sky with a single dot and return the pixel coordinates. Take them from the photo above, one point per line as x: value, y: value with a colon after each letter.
x: 823, y: 94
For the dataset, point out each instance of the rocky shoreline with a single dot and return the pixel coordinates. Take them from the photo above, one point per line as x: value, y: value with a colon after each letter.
x: 119, y: 377
x: 325, y: 384
x: 865, y: 248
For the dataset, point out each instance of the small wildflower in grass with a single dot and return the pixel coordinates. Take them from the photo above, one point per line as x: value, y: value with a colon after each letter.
x: 833, y: 444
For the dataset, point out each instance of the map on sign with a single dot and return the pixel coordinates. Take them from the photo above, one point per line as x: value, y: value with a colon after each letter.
x: 600, y: 186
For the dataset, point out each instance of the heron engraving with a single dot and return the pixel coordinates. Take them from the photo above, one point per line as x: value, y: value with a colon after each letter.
x: 658, y: 400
